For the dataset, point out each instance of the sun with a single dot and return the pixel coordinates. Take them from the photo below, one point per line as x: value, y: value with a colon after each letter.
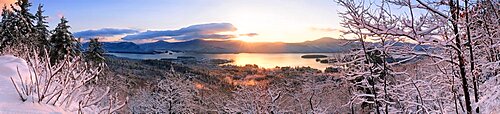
x: 271, y: 25
x: 252, y: 21
x: 244, y: 38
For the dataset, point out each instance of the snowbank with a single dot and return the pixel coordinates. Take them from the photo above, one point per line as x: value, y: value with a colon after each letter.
x: 10, y: 103
x: 490, y: 101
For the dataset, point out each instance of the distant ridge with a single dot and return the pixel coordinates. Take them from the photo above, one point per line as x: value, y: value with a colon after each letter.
x: 120, y: 47
x: 322, y: 45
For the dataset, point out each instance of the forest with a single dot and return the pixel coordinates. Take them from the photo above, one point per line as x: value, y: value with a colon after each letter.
x: 448, y: 62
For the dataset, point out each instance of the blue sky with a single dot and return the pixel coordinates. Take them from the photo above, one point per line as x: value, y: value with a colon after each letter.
x: 272, y: 20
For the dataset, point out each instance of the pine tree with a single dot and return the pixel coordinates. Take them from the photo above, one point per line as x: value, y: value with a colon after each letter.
x: 6, y: 37
x: 94, y: 53
x: 42, y: 32
x: 62, y: 42
x: 23, y: 23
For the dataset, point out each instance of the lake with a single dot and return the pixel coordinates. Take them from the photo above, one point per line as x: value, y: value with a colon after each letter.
x: 265, y: 60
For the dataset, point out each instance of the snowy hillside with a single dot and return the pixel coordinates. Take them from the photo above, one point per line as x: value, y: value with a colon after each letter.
x: 9, y: 98
x: 490, y: 102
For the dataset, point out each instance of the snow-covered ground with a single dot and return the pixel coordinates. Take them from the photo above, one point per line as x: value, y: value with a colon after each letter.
x: 490, y: 101
x: 10, y: 103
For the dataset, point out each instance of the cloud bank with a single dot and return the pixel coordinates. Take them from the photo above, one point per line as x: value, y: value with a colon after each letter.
x: 201, y: 31
x: 105, y: 32
x: 249, y: 34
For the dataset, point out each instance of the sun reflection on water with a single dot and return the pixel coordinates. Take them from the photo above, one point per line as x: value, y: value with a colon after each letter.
x: 272, y: 60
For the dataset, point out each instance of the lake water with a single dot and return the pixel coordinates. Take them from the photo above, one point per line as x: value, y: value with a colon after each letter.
x: 265, y: 60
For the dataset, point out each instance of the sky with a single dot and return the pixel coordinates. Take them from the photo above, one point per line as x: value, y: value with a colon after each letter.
x: 180, y: 20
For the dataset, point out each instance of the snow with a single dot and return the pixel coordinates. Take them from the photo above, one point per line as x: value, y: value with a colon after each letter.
x: 10, y: 103
x: 490, y: 102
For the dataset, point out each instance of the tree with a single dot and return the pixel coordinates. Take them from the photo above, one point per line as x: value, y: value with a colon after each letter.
x: 17, y: 26
x: 62, y: 42
x: 173, y: 94
x: 450, y: 41
x: 59, y: 77
x: 483, y: 34
x: 95, y: 52
x: 23, y: 25
x: 42, y: 33
x: 6, y: 37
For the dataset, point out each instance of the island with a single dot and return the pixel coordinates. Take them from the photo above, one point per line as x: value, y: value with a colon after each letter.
x: 313, y: 56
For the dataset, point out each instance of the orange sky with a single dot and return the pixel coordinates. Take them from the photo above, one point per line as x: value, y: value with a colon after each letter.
x: 6, y: 2
x: 272, y: 20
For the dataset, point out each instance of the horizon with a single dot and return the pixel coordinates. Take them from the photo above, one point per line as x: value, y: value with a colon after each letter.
x: 225, y: 40
x: 181, y: 20
x: 249, y: 56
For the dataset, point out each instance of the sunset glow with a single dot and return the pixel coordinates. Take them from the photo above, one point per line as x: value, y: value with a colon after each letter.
x: 249, y: 56
x: 278, y: 25
x: 6, y: 2
x: 268, y: 20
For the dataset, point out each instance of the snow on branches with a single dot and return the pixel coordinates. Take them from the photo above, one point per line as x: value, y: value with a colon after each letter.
x: 68, y: 84
x: 456, y: 40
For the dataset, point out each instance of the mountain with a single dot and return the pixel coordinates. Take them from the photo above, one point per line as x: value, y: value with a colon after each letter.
x: 234, y: 46
x: 323, y: 45
x: 201, y: 46
x: 119, y: 47
x: 156, y: 45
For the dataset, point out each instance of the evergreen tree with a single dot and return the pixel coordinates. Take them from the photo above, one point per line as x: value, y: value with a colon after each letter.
x: 23, y: 23
x: 6, y: 37
x: 94, y: 53
x: 63, y: 43
x: 42, y: 32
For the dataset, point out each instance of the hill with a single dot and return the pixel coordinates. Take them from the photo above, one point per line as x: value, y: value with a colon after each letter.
x: 323, y: 45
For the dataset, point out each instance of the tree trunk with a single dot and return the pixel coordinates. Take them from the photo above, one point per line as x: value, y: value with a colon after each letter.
x: 461, y: 62
x: 471, y: 54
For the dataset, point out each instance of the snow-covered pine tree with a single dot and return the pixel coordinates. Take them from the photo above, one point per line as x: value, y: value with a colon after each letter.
x: 6, y: 37
x: 42, y: 32
x: 94, y: 53
x: 64, y: 83
x: 62, y: 42
x: 23, y: 27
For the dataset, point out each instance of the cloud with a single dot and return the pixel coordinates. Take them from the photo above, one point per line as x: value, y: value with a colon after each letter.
x: 324, y: 29
x: 249, y: 34
x: 201, y: 31
x: 204, y: 36
x: 60, y: 15
x: 104, y: 32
